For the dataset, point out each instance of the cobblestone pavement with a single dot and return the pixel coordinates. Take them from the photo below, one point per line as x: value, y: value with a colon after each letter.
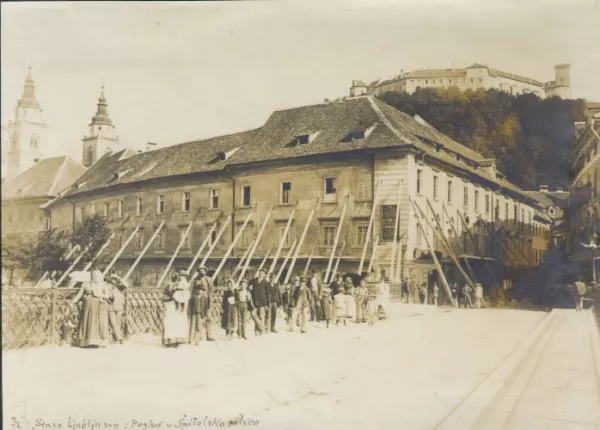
x: 468, y: 368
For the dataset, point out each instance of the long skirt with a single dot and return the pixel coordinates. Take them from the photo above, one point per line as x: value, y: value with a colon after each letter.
x: 350, y: 307
x: 230, y: 317
x: 176, y: 325
x: 327, y: 308
x: 93, y: 327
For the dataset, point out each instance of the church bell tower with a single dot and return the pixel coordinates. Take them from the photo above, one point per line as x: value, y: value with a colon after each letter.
x: 102, y: 137
x: 26, y: 132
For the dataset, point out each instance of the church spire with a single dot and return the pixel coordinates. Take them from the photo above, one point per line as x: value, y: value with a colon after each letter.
x: 101, y: 116
x: 28, y: 99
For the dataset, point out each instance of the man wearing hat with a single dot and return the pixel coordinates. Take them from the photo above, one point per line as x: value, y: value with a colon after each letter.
x: 204, y: 279
x: 261, y: 299
x: 275, y: 303
x: 337, y: 284
x: 301, y: 304
x: 200, y: 304
x: 116, y: 305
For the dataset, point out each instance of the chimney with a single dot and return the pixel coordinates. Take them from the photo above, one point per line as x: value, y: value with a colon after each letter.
x: 544, y: 188
x: 151, y: 146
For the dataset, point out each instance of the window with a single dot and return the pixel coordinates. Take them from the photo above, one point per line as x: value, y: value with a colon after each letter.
x: 160, y: 204
x: 466, y: 196
x: 329, y: 190
x: 92, y: 209
x: 286, y: 188
x: 449, y: 191
x: 497, y: 210
x: 186, y: 201
x: 120, y: 209
x: 186, y: 243
x: 419, y: 175
x: 361, y: 234
x: 303, y: 139
x: 286, y: 239
x: 33, y: 142
x: 47, y: 223
x: 476, y: 200
x: 139, y: 209
x: 328, y: 235
x: 139, y: 239
x: 487, y: 203
x: 159, y: 241
x: 363, y: 187
x: 105, y: 210
x: 246, y: 196
x: 80, y: 214
x: 214, y: 198
x: 505, y: 210
x: 435, y: 187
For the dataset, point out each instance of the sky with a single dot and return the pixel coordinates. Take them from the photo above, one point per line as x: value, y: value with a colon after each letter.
x: 175, y: 72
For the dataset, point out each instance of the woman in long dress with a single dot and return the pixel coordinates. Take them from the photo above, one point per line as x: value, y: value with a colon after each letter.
x: 350, y: 301
x: 229, y: 311
x: 93, y: 317
x: 176, y: 323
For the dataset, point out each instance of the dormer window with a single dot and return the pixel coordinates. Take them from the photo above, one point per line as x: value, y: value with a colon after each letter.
x: 358, y: 134
x: 222, y: 156
x: 119, y: 175
x: 438, y: 147
x: 81, y: 184
x: 303, y: 139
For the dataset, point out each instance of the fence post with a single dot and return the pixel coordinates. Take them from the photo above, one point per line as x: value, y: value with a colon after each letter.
x: 53, y: 316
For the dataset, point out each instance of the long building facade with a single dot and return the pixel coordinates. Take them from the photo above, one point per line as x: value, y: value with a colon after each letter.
x: 330, y: 169
x: 476, y: 76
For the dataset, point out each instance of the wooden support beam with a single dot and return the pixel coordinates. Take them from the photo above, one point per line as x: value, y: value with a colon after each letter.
x: 286, y: 259
x: 374, y: 250
x: 433, y: 255
x: 283, y: 238
x: 396, y: 239
x: 369, y: 228
x: 256, y: 242
x: 310, y: 259
x: 124, y: 246
x: 235, y: 240
x: 300, y: 242
x: 243, y: 259
x: 262, y: 264
x: 139, y: 258
x: 337, y: 263
x: 72, y: 266
x: 460, y: 247
x: 202, y: 246
x: 337, y: 238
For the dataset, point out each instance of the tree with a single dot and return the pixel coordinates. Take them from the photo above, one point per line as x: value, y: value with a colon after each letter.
x: 49, y: 252
x: 17, y: 253
x: 93, y: 232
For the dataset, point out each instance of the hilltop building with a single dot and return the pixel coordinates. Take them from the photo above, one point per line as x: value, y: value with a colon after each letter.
x: 333, y: 164
x: 472, y: 77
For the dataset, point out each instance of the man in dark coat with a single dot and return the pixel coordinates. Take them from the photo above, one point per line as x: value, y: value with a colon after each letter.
x: 260, y: 290
x: 275, y: 303
x: 301, y: 305
x: 337, y: 284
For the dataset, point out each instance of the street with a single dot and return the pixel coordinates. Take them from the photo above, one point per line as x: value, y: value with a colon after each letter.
x: 422, y: 369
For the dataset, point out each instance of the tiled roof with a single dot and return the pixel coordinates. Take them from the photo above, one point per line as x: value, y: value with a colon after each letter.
x: 519, y: 78
x: 185, y: 158
x: 45, y: 178
x: 328, y: 124
x: 550, y: 198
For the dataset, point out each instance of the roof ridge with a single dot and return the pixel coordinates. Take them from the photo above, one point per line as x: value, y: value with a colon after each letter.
x: 384, y: 119
x: 57, y: 175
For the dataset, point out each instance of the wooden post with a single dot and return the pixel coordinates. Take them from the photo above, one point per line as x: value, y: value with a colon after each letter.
x: 337, y: 263
x: 440, y: 234
x: 124, y: 246
x: 66, y: 257
x: 282, y: 239
x: 369, y: 228
x: 396, y: 226
x: 243, y: 259
x: 309, y: 259
x: 170, y: 263
x: 202, y: 246
x: 466, y: 260
x: 300, y: 242
x: 262, y: 264
x: 138, y: 259
x: 285, y: 260
x: 433, y: 256
x: 337, y: 238
x: 256, y: 242
x: 102, y: 248
x: 72, y: 266
x: 216, y: 241
x: 400, y: 259
x: 41, y: 279
x: 235, y: 240
x: 375, y: 244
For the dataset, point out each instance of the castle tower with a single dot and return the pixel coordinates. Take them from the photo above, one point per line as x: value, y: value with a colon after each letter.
x: 561, y: 87
x: 26, y: 132
x: 102, y: 136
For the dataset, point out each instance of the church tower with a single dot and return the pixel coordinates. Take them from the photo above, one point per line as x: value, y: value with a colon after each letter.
x: 26, y: 132
x: 102, y: 136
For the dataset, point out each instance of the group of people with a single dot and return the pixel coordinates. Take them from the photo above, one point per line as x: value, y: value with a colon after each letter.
x: 465, y: 296
x: 188, y: 305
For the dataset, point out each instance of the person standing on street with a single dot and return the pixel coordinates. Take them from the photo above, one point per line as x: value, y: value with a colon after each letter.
x: 455, y: 295
x: 579, y: 293
x: 315, y: 303
x: 200, y: 304
x: 116, y: 305
x: 337, y: 285
x: 243, y: 302
x: 229, y: 311
x: 260, y: 290
x: 478, y: 295
x: 301, y: 304
x: 360, y: 300
x: 436, y: 293
x: 466, y: 292
x: 275, y: 303
x: 404, y: 291
x: 204, y: 279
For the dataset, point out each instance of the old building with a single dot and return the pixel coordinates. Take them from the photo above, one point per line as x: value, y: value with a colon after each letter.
x: 329, y: 168
x: 472, y: 77
x: 102, y: 136
x: 25, y: 134
x: 583, y: 214
x: 24, y: 196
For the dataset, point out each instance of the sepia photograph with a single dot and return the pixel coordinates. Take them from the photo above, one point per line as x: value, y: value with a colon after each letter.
x: 300, y: 215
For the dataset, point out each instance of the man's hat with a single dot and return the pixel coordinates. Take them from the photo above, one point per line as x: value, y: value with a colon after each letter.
x: 182, y: 272
x: 244, y: 281
x: 262, y: 269
x: 203, y: 267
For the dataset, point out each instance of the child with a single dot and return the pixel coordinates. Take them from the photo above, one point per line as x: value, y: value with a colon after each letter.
x: 182, y: 291
x: 339, y: 302
x: 372, y: 309
x: 243, y: 302
x: 229, y: 310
